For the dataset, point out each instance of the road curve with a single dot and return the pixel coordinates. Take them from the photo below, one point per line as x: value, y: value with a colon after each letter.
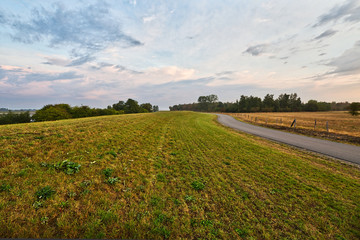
x: 341, y: 151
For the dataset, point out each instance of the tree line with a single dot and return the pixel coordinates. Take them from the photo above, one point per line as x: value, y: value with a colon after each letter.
x: 52, y: 112
x: 247, y: 104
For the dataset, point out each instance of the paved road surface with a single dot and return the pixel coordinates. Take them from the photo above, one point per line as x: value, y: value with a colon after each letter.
x: 341, y: 151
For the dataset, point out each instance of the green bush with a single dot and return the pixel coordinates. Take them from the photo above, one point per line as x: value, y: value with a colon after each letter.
x: 11, y: 118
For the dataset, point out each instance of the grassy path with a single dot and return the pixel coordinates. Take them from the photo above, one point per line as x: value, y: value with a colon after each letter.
x: 170, y: 175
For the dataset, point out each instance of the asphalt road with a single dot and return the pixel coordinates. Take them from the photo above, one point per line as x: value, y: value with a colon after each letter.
x: 341, y: 151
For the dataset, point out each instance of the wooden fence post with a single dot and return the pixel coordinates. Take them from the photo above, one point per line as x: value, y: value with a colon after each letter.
x: 327, y: 126
x: 315, y: 125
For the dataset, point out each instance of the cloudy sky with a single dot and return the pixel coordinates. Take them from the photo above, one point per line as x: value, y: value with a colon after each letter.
x: 168, y: 52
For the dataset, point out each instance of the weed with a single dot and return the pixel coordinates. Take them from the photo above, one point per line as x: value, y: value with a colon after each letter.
x: 154, y: 201
x: 112, y: 153
x: 107, y: 216
x: 108, y: 172
x: 160, y: 177
x: 85, y: 183
x: 206, y: 222
x: 189, y: 198
x: 112, y: 180
x: 44, y: 192
x: 193, y: 222
x: 244, y: 195
x: 242, y: 232
x: 63, y: 205
x: 5, y: 187
x: 37, y: 204
x: 85, y: 192
x: 68, y: 167
x: 71, y: 194
x: 44, y: 220
x: 162, y: 231
x: 177, y: 201
x: 44, y: 164
x: 21, y: 173
x: 198, y: 185
x: 274, y: 191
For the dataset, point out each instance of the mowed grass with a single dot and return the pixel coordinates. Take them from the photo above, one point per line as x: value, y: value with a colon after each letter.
x: 168, y: 175
x: 338, y: 121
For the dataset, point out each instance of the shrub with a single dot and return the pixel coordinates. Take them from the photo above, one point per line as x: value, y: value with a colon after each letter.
x: 53, y: 112
x: 11, y: 118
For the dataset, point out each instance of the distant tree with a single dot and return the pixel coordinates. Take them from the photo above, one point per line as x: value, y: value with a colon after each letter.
x: 207, y: 103
x: 311, y: 106
x: 212, y: 98
x: 354, y: 108
x: 268, y: 104
x: 119, y: 106
x: 324, y: 106
x: 254, y: 104
x: 156, y: 108
x: 147, y: 106
x: 83, y: 111
x: 284, y: 103
x: 11, y: 118
x: 53, y: 112
x: 132, y: 106
x: 294, y: 103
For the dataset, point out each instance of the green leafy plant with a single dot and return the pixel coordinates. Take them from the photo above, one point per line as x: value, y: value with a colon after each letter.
x: 112, y: 152
x: 5, y: 187
x: 68, y: 167
x: 44, y: 220
x: 112, y: 180
x: 160, y: 177
x: 65, y: 204
x: 198, y: 185
x: 108, y: 172
x: 37, y: 204
x: 44, y: 192
x: 189, y: 198
x: 242, y: 232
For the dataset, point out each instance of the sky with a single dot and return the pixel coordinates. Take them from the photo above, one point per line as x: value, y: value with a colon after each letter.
x: 164, y: 52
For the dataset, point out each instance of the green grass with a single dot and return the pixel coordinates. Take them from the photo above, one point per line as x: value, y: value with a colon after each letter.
x: 168, y: 175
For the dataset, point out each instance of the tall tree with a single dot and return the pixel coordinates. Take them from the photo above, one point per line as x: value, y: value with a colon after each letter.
x: 147, y: 106
x: 268, y: 104
x: 132, y: 106
x: 354, y: 108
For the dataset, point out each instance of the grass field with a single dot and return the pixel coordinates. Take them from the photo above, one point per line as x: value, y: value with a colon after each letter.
x: 338, y: 122
x: 168, y: 175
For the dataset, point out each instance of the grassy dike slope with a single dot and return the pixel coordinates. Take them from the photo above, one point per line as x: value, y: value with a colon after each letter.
x: 175, y: 175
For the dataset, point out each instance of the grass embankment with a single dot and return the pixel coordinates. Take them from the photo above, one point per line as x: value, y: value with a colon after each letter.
x: 176, y: 174
x: 342, y: 126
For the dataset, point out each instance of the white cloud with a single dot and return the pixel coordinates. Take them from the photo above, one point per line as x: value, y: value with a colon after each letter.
x: 149, y: 19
